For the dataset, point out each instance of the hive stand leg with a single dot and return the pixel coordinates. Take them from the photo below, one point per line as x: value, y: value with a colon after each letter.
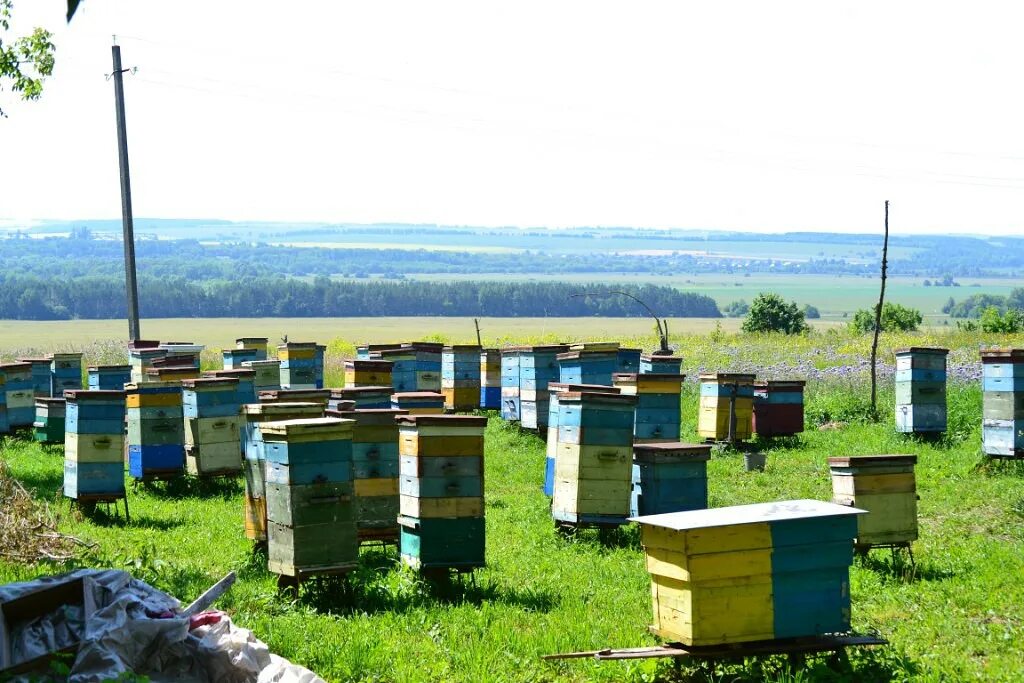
x: 839, y: 659
x: 797, y: 660
x: 287, y: 584
x: 127, y: 516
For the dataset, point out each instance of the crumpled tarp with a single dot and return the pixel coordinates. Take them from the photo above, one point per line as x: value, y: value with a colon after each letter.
x: 126, y: 634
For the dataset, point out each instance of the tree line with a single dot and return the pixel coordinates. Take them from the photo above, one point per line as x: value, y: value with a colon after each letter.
x: 26, y: 297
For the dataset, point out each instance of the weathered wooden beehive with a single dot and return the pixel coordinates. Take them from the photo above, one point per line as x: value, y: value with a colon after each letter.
x: 460, y: 376
x: 669, y: 477
x: 418, y: 402
x: 321, y: 396
x: 364, y: 397
x: 1002, y: 430
x: 441, y: 504
x: 65, y: 373
x: 141, y: 354
x: 659, y: 364
x: 554, y: 389
x: 768, y: 571
x: 109, y: 377
x: 591, y: 363
x: 778, y: 407
x: 94, y: 445
x: 490, y: 379
x: 366, y: 351
x: 369, y: 373
x: 375, y: 470
x: 428, y: 365
x: 213, y: 426
x: 301, y: 364
x: 885, y: 486
x: 19, y: 394
x: 921, y: 390
x: 510, y: 402
x: 170, y: 373
x: 156, y: 429
x: 49, y: 424
x: 39, y: 369
x: 183, y: 353
x: 233, y: 358
x: 257, y: 344
x: 726, y: 406
x: 403, y: 367
x: 658, y: 404
x: 594, y: 459
x: 311, y: 520
x: 267, y: 375
x: 538, y: 367
x: 628, y: 360
x: 246, y: 388
x: 255, y: 507
x: 321, y: 354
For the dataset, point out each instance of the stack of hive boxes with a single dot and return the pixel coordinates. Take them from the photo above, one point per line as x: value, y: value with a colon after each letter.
x: 778, y: 407
x: 658, y: 405
x: 375, y: 470
x: 442, y: 487
x: 750, y: 572
x: 885, y: 486
x: 65, y: 373
x: 109, y: 377
x: 628, y: 360
x: 402, y: 369
x: 460, y: 377
x: 163, y: 372
x: 490, y: 379
x: 233, y: 358
x: 49, y: 424
x: 660, y: 364
x: 246, y: 388
x: 181, y: 353
x: 253, y: 464
x: 921, y: 390
x: 726, y: 397
x: 669, y: 477
x: 367, y: 351
x: 1002, y: 429
x: 20, y: 397
x: 320, y: 396
x: 589, y: 363
x: 428, y: 365
x: 266, y: 374
x: 301, y: 365
x: 510, y: 383
x: 40, y: 374
x: 538, y: 367
x: 141, y: 354
x: 369, y: 373
x: 418, y: 402
x: 365, y: 397
x: 94, y: 445
x: 594, y: 460
x: 156, y: 436
x: 257, y: 344
x: 213, y: 426
x: 554, y: 390
x: 311, y: 521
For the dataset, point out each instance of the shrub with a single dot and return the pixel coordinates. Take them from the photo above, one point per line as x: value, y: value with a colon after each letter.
x: 770, y: 313
x: 1010, y: 322
x: 736, y: 309
x: 811, y: 312
x: 895, y: 318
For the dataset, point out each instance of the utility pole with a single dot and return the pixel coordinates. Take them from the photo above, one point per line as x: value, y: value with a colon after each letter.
x: 131, y: 285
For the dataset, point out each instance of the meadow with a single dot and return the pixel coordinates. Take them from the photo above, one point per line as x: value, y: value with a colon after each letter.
x: 958, y: 614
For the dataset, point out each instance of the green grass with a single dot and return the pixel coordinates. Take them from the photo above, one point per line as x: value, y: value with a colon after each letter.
x: 958, y: 616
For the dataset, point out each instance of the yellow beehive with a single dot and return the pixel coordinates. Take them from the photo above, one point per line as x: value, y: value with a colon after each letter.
x: 885, y: 486
x: 722, y: 395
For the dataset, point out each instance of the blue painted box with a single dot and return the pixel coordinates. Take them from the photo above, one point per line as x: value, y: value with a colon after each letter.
x: 669, y: 477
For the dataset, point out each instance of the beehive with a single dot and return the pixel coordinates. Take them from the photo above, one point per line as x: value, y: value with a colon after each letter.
x: 369, y: 373
x: 19, y: 395
x: 428, y: 365
x: 267, y: 374
x: 1002, y: 428
x: 658, y: 404
x: 49, y: 424
x: 660, y: 364
x: 233, y: 358
x: 65, y: 373
x: 627, y: 360
x: 156, y: 429
x: 884, y: 485
x: 418, y: 402
x: 778, y: 407
x: 554, y: 389
x: 246, y: 389
x: 257, y: 344
x: 720, y: 394
x: 311, y: 521
x: 180, y: 353
x: 94, y: 444
x: 364, y: 397
x: 213, y: 426
x: 490, y: 379
x: 460, y: 377
x: 538, y: 367
x: 510, y: 383
x: 594, y: 459
x: 921, y: 390
x: 375, y: 470
x: 669, y: 477
x: 170, y: 373
x: 402, y: 369
x: 366, y: 351
x: 588, y: 364
x: 256, y: 414
x: 301, y: 365
x: 39, y: 370
x: 141, y: 354
x: 321, y: 396
x: 4, y: 425
x: 767, y: 571
x: 109, y: 377
x: 441, y: 504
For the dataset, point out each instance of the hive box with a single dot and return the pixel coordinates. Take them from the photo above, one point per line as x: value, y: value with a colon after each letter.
x: 49, y: 424
x: 490, y: 379
x: 369, y: 373
x: 460, y: 377
x: 778, y: 407
x: 554, y: 389
x: 885, y: 486
x: 658, y: 364
x: 418, y: 402
x: 658, y: 407
x: 719, y: 390
x: 510, y: 383
x: 589, y: 363
x: 109, y: 377
x: 1002, y: 427
x: 669, y: 477
x: 921, y: 390
x: 538, y: 367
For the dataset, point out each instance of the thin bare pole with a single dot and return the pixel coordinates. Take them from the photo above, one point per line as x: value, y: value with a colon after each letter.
x: 131, y: 285
x: 878, y: 316
x: 476, y: 321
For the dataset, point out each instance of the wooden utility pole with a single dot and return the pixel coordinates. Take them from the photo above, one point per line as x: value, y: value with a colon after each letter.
x: 476, y: 322
x: 131, y: 285
x: 878, y: 317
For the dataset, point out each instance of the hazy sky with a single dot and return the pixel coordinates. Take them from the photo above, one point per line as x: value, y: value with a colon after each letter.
x: 724, y: 115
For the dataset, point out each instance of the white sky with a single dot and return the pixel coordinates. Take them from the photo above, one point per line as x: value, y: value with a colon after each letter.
x: 723, y: 115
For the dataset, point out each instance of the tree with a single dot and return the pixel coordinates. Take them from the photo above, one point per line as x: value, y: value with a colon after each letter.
x: 770, y: 313
x: 736, y: 309
x: 1010, y: 322
x: 895, y: 318
x: 948, y: 306
x: 26, y: 60
x: 811, y: 312
x: 1015, y: 299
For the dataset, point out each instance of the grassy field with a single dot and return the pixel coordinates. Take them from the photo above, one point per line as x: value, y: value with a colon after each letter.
x: 958, y: 616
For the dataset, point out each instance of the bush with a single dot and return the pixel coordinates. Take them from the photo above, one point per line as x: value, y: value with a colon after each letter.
x: 736, y: 309
x: 770, y: 313
x: 895, y: 318
x: 811, y: 312
x: 1010, y: 322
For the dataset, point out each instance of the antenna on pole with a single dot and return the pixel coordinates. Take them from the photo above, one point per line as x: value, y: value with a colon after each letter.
x: 131, y: 284
x: 660, y: 323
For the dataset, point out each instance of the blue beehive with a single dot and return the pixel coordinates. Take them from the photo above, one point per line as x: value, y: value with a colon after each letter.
x: 302, y: 365
x: 460, y: 376
x: 1003, y: 403
x: 213, y: 426
x: 246, y: 388
x: 4, y: 426
x: 94, y: 445
x: 362, y: 398
x: 40, y: 373
x: 554, y: 389
x: 141, y: 356
x: 257, y: 344
x: 592, y: 363
x: 403, y: 367
x: 19, y: 394
x: 658, y: 407
x: 628, y: 360
x: 510, y: 383
x: 921, y: 390
x: 109, y: 377
x: 490, y: 379
x: 65, y: 373
x: 660, y: 364
x: 538, y: 367
x: 156, y: 437
x: 233, y: 358
x: 427, y: 365
x: 669, y: 477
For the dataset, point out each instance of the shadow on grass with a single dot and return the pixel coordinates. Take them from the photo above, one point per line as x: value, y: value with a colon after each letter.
x: 44, y: 485
x: 105, y: 516
x: 225, y: 488
x: 996, y: 467
x: 898, y: 567
x: 625, y: 536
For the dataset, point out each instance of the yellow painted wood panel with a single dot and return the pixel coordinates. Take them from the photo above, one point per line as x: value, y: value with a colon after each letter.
x: 94, y: 447
x: 411, y: 444
x: 699, y: 615
x: 728, y: 538
x: 152, y: 400
x: 873, y: 483
x: 376, y: 487
x: 710, y: 566
x: 422, y: 508
x: 891, y: 518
